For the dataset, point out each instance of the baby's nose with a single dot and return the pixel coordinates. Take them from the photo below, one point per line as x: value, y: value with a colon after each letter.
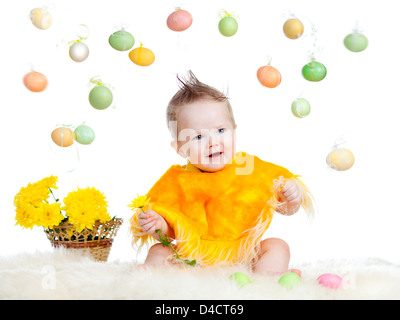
x: 213, y: 140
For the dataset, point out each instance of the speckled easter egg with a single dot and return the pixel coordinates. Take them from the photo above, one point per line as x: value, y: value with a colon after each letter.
x: 301, y: 108
x: 100, y: 97
x: 41, y: 18
x: 293, y: 28
x: 84, y: 134
x: 121, y: 40
x: 63, y: 137
x: 79, y: 51
x: 179, y: 20
x: 35, y: 81
x: 355, y: 42
x: 314, y: 71
x: 142, y: 56
x: 228, y: 26
x: 340, y: 159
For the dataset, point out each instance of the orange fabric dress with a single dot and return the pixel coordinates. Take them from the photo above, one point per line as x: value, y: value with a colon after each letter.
x: 220, y: 217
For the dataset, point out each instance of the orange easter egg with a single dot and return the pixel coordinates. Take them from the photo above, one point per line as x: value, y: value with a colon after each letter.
x: 142, y: 56
x: 269, y: 76
x: 293, y: 28
x: 35, y: 81
x: 63, y: 137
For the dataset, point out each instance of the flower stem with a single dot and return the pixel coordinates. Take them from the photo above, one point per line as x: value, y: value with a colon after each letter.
x: 56, y: 200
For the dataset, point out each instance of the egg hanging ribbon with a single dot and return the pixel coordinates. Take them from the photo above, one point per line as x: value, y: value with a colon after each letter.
x: 63, y: 136
x: 78, y: 50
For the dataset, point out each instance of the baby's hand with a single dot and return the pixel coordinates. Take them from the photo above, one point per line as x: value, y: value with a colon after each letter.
x: 290, y: 194
x: 150, y: 221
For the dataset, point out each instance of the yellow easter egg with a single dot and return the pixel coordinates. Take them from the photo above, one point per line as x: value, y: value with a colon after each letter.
x: 63, y: 137
x: 340, y: 159
x: 142, y: 56
x: 293, y: 28
x: 41, y: 18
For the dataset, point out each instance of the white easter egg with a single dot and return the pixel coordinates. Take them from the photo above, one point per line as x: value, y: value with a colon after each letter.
x: 79, y: 51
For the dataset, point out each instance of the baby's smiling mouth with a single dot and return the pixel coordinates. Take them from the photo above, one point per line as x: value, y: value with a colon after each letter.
x: 215, y: 154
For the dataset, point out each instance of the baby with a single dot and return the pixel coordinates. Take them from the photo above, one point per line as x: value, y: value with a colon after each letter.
x: 218, y: 205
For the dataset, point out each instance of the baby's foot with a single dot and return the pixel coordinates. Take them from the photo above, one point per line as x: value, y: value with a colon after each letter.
x: 296, y: 271
x: 142, y: 267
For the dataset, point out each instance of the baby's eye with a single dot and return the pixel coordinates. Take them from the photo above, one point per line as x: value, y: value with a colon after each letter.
x: 221, y: 130
x: 198, y: 137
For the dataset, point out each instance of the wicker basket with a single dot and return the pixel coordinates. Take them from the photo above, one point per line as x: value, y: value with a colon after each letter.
x: 98, y: 241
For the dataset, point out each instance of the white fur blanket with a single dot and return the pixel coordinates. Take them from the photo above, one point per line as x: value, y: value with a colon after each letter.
x: 62, y: 274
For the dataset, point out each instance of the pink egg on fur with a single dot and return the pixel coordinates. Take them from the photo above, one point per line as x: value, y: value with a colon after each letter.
x: 330, y: 280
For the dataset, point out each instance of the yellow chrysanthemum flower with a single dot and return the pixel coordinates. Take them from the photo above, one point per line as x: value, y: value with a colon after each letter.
x: 29, y: 202
x: 84, y: 207
x: 139, y: 202
x: 49, y: 215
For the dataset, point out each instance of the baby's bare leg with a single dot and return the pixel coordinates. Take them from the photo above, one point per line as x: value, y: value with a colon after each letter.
x: 274, y: 257
x: 157, y: 256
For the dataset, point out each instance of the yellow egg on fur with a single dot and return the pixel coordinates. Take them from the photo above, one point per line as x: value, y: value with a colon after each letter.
x: 340, y: 159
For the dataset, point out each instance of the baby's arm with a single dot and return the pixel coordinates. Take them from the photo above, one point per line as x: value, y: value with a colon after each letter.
x: 150, y: 221
x: 290, y: 197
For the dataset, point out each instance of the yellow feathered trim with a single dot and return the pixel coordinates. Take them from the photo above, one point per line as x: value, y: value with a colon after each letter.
x: 306, y: 196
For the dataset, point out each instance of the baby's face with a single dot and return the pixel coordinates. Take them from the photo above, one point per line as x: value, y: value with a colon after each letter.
x: 206, y: 136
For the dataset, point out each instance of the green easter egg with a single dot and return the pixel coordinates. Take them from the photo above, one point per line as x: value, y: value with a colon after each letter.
x: 289, y: 280
x: 228, y: 26
x: 314, y: 71
x: 100, y: 97
x: 84, y: 134
x: 300, y: 107
x: 356, y: 42
x: 240, y: 278
x: 121, y: 40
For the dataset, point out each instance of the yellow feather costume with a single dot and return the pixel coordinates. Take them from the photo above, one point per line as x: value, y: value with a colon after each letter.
x: 220, y: 217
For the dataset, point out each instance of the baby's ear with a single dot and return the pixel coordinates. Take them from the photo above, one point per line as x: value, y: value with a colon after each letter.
x: 178, y: 150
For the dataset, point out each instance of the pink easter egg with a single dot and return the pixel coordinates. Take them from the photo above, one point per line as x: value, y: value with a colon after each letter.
x: 179, y: 20
x: 330, y: 280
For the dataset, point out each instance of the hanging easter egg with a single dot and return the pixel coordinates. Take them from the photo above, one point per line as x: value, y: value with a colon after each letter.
x: 301, y: 108
x: 330, y: 280
x: 142, y: 56
x: 100, y: 97
x: 293, y: 28
x: 35, y: 81
x: 121, y: 40
x: 79, y: 51
x: 84, y: 134
x: 314, y: 71
x: 63, y: 136
x: 41, y: 18
x: 179, y: 20
x: 355, y: 42
x: 340, y: 159
x: 269, y: 76
x: 228, y: 25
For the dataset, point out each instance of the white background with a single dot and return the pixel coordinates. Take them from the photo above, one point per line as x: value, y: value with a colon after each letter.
x: 357, y: 102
